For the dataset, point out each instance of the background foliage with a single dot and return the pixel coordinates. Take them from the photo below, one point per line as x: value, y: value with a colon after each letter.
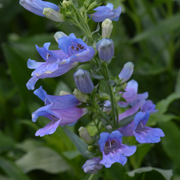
x: 148, y: 34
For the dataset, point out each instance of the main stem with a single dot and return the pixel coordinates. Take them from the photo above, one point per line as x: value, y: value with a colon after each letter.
x: 111, y: 93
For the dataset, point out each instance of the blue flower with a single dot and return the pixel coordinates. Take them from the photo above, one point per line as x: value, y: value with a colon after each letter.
x: 105, y: 48
x: 126, y: 72
x: 49, y: 68
x: 61, y: 110
x: 113, y: 150
x: 58, y: 62
x: 142, y: 133
x: 91, y: 166
x: 149, y: 106
x: 132, y: 98
x: 104, y: 12
x: 83, y: 81
x: 75, y: 49
x: 37, y: 6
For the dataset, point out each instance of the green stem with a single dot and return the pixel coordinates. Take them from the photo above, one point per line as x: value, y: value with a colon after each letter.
x: 113, y: 101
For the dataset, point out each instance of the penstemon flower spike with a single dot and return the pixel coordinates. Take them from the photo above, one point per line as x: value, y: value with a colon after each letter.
x: 119, y: 112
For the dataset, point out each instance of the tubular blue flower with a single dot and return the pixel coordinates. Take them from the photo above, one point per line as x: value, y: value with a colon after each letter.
x: 133, y: 99
x: 50, y: 68
x: 142, y: 133
x: 91, y: 166
x: 130, y: 94
x: 149, y: 106
x: 126, y: 72
x: 37, y: 6
x: 113, y: 150
x: 105, y: 48
x: 75, y: 49
x: 104, y: 12
x: 83, y: 81
x: 60, y: 110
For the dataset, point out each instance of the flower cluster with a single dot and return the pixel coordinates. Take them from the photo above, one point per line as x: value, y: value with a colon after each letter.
x: 120, y: 103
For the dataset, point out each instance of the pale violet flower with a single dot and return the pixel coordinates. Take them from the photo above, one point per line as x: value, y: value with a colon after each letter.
x: 104, y: 12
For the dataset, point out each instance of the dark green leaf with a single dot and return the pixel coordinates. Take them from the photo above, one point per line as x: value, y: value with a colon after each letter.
x: 126, y: 121
x: 12, y: 170
x: 81, y: 146
x: 43, y: 158
x: 164, y: 26
x: 166, y: 173
x: 96, y: 76
x: 170, y: 142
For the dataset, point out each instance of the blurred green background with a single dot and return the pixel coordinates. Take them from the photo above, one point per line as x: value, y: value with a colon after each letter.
x: 148, y: 34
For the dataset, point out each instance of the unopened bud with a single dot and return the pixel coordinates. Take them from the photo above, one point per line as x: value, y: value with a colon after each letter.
x: 105, y: 49
x: 84, y: 134
x: 53, y: 15
x: 80, y: 96
x: 66, y: 3
x: 107, y: 27
x: 91, y: 166
x: 58, y: 35
x: 126, y: 72
x: 83, y: 81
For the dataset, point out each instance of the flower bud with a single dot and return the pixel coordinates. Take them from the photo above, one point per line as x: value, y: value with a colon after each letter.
x: 84, y: 134
x: 80, y: 96
x: 53, y: 15
x: 91, y: 166
x: 83, y: 81
x: 105, y: 49
x: 107, y: 27
x: 58, y: 35
x: 126, y: 72
x: 66, y: 3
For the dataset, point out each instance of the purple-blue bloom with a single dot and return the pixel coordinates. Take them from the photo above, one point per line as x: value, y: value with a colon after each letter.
x: 37, y: 6
x: 50, y: 68
x: 58, y: 62
x: 105, y: 48
x: 126, y: 72
x: 133, y: 99
x: 104, y: 12
x: 60, y: 110
x: 91, y: 166
x: 113, y: 150
x: 149, y: 106
x: 83, y: 81
x: 142, y: 133
x: 75, y: 49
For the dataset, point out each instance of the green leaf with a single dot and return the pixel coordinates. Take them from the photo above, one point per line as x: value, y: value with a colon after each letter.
x: 166, y: 173
x: 7, y: 142
x: 126, y: 121
x: 19, y: 71
x: 12, y: 170
x: 81, y: 146
x: 70, y: 154
x: 164, y: 26
x: 170, y: 142
x: 96, y: 76
x: 43, y: 158
x: 137, y: 158
x: 177, y: 87
x: 162, y: 106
